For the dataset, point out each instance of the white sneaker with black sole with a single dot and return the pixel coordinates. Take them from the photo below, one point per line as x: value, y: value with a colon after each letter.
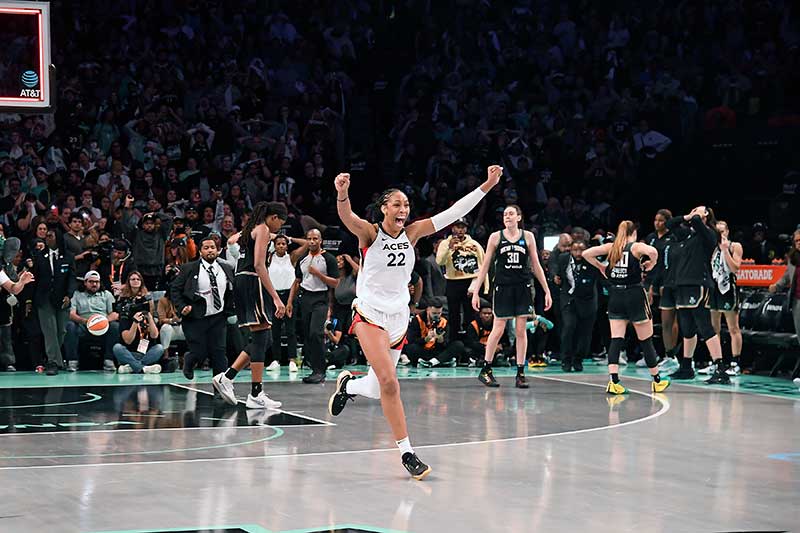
x: 734, y: 370
x: 224, y: 387
x: 707, y: 371
x: 262, y: 401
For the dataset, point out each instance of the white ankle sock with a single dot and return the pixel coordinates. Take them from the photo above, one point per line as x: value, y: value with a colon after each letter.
x: 405, y: 445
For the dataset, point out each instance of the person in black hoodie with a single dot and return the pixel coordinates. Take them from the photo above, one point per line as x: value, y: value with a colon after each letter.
x: 693, y: 281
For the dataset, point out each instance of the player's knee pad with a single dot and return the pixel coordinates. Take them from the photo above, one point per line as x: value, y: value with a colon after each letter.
x: 613, y: 350
x: 649, y: 351
x: 259, y: 342
x: 686, y: 323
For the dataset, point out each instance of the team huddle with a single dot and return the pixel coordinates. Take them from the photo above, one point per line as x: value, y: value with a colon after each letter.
x: 381, y: 312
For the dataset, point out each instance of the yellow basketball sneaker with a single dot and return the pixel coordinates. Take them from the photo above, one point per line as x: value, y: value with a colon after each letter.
x: 616, y: 388
x: 661, y: 386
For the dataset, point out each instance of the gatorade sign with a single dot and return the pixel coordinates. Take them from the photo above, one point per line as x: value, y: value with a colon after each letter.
x: 759, y: 275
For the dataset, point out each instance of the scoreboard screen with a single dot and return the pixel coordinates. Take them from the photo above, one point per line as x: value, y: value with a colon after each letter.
x: 25, y: 55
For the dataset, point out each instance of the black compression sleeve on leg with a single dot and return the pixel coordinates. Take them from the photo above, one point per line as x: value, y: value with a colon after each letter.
x: 702, y: 318
x: 259, y: 342
x: 613, y: 350
x: 649, y: 351
x: 686, y: 323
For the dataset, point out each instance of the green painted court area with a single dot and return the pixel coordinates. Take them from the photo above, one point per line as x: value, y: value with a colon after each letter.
x: 747, y: 384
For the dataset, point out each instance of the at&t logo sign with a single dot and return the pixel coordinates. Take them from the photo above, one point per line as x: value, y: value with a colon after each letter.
x: 30, y: 79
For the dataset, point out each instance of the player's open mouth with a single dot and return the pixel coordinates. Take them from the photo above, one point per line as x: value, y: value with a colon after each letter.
x: 400, y: 221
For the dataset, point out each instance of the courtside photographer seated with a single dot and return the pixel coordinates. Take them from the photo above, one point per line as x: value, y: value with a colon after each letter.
x: 138, y: 350
x: 427, y: 338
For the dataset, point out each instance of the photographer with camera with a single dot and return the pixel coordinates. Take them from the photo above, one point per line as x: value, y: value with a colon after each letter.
x: 137, y: 352
x: 337, y: 351
x: 427, y: 338
x: 116, y: 264
x: 55, y: 282
x: 92, y: 300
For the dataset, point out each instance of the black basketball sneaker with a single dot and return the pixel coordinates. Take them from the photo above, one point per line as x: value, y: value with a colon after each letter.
x: 415, y: 467
x: 487, y: 378
x: 340, y: 397
x: 521, y: 382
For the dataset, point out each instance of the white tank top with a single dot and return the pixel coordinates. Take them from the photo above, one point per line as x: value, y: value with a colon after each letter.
x: 386, y: 267
x: 281, y: 272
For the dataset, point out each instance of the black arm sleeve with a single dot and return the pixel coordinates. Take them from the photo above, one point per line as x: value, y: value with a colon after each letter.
x: 708, y: 235
x: 675, y: 222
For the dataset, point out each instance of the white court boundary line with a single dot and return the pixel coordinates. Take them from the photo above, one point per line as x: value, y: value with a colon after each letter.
x: 665, y: 406
x: 317, y: 420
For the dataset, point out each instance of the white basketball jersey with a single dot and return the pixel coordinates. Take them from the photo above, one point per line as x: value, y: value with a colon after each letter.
x: 385, y: 273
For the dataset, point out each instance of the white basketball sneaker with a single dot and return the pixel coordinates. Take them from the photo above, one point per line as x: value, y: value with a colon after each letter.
x: 273, y: 366
x: 262, y: 401
x: 224, y: 387
x: 292, y: 367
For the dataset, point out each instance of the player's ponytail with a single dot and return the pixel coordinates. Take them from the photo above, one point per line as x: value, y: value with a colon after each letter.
x: 625, y: 230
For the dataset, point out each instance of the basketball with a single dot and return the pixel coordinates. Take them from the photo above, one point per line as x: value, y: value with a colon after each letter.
x: 97, y: 325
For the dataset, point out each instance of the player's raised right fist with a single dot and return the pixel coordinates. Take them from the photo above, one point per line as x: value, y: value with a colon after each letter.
x: 342, y: 183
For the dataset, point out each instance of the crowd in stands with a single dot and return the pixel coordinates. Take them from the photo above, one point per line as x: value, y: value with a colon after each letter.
x: 174, y: 119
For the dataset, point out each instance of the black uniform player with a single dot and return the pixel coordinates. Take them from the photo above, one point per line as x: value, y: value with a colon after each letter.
x: 513, y: 251
x: 725, y: 264
x: 257, y: 302
x: 693, y: 280
x: 660, y: 292
x: 627, y: 301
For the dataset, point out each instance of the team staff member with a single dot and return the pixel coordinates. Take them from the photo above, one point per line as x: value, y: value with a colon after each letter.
x: 627, y: 301
x: 203, y: 294
x: 281, y: 271
x: 578, y: 301
x: 725, y: 264
x: 316, y: 276
x: 461, y: 256
x: 693, y: 280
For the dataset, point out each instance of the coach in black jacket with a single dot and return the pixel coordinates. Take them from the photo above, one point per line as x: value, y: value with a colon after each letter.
x: 202, y: 293
x: 54, y: 272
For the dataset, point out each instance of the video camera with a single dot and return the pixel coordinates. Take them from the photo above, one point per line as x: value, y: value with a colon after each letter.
x: 101, y: 251
x: 129, y: 308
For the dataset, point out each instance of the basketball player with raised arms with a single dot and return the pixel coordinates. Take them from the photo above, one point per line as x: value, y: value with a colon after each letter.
x: 380, y: 310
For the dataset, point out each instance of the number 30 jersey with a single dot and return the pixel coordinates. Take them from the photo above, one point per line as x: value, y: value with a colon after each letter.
x: 512, y: 264
x: 385, y: 273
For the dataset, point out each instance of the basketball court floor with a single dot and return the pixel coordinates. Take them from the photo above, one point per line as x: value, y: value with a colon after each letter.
x: 91, y: 452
